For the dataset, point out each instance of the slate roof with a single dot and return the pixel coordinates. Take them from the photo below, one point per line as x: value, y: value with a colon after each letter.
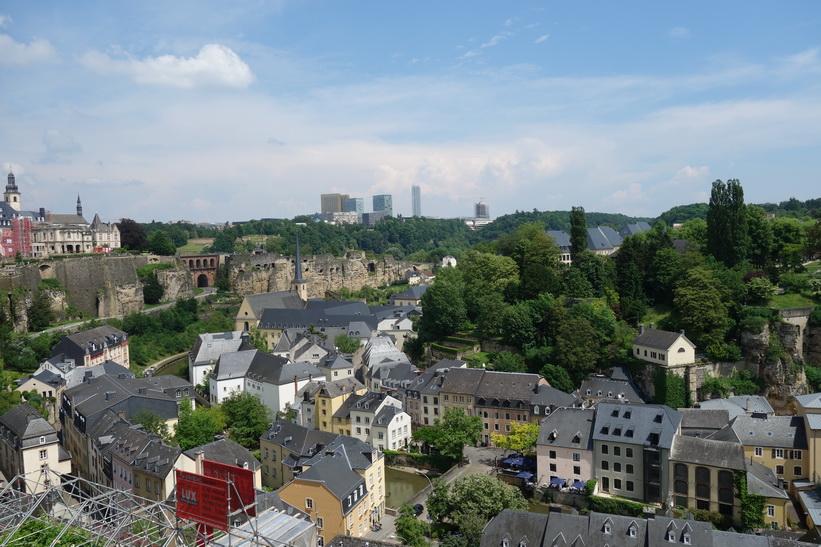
x: 47, y: 377
x: 813, y: 421
x: 548, y: 396
x: 461, y: 380
x: 157, y: 459
x: 77, y: 346
x: 811, y: 500
x: 414, y: 292
x: 225, y: 451
x: 568, y: 423
x: 810, y: 400
x: 28, y: 425
x: 272, y: 369
x: 562, y: 238
x: 278, y: 299
x: 600, y: 387
x: 660, y: 339
x: 297, y: 439
x: 516, y: 527
x: 329, y: 389
x: 445, y: 364
x: 335, y: 472
x: 371, y: 398
x: 208, y: 347
x: 602, y: 238
x: 739, y: 405
x: 633, y: 229
x: 765, y: 431
x: 65, y: 219
x: 399, y: 376
x: 359, y: 454
x: 386, y: 415
x: 336, y: 361
x: 700, y: 533
x: 234, y: 365
x: 636, y: 424
x: 707, y: 452
x: 761, y: 480
x: 699, y: 422
x: 381, y: 349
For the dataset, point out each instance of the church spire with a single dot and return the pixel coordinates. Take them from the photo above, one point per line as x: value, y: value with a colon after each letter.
x: 79, y: 206
x: 12, y: 193
x: 298, y: 284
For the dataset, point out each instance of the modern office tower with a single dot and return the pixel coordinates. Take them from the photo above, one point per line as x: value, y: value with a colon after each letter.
x: 416, y: 200
x: 383, y: 202
x: 332, y: 203
x: 482, y: 210
x: 355, y: 205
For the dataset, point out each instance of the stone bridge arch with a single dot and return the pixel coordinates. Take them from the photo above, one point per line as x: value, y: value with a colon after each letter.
x: 203, y: 269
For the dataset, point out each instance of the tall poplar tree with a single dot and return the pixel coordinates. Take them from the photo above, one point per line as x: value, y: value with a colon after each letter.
x: 727, y: 236
x: 578, y: 231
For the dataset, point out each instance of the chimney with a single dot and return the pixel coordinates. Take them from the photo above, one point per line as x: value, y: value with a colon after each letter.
x: 652, y: 325
x: 43, y: 213
x: 296, y: 384
x: 109, y: 395
x: 682, y: 332
x: 199, y: 455
x: 641, y: 329
x: 748, y: 404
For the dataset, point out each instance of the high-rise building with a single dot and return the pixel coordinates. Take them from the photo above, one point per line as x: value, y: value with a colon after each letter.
x: 383, y: 202
x: 332, y: 203
x: 355, y: 205
x: 416, y: 200
x: 482, y: 210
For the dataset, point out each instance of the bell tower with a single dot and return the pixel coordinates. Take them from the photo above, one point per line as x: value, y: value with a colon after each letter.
x: 12, y: 194
x: 298, y: 284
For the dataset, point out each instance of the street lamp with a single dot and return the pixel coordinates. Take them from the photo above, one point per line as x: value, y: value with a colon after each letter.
x: 426, y: 476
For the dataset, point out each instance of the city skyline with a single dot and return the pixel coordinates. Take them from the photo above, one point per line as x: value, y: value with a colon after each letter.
x: 159, y: 111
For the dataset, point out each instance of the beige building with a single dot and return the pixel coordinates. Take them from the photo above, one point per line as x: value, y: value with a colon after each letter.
x: 809, y: 410
x: 663, y: 348
x: 28, y: 443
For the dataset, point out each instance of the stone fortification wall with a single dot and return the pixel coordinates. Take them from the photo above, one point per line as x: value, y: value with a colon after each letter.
x: 259, y: 273
x: 177, y: 283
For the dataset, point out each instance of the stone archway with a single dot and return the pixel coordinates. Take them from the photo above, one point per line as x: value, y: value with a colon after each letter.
x: 202, y: 280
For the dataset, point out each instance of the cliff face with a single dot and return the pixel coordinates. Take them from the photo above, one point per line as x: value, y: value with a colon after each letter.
x: 177, y: 283
x: 775, y: 350
x: 253, y: 274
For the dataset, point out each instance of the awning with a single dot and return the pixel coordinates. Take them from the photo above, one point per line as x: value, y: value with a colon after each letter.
x: 524, y: 475
x: 515, y: 461
x: 557, y: 481
x: 579, y: 484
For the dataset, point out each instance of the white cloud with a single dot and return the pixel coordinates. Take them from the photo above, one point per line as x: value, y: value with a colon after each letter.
x: 468, y: 55
x: 58, y: 147
x: 628, y: 196
x: 496, y: 39
x: 4, y: 20
x: 16, y: 53
x: 679, y: 33
x: 214, y: 66
x: 688, y: 176
x: 109, y: 183
x: 541, y: 38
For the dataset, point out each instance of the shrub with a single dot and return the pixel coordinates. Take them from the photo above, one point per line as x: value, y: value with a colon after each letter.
x: 148, y: 269
x: 51, y: 283
x: 793, y: 282
x: 754, y: 319
x: 815, y: 317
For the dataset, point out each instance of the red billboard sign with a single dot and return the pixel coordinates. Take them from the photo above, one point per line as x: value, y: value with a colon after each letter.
x: 241, y: 487
x: 202, y: 499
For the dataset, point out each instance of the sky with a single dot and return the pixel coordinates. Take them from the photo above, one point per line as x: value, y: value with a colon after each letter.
x: 214, y: 111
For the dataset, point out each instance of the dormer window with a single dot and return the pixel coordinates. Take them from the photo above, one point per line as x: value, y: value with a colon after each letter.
x: 615, y: 413
x: 657, y: 419
x: 627, y: 414
x: 632, y: 532
x: 671, y: 536
x: 505, y: 543
x: 606, y: 528
x: 686, y: 539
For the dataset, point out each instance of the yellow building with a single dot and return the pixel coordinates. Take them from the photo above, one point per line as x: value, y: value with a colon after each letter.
x: 809, y: 410
x: 319, y: 402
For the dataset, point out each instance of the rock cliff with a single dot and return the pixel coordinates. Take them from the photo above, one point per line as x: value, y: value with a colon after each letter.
x: 775, y: 350
x: 813, y: 351
x: 259, y: 273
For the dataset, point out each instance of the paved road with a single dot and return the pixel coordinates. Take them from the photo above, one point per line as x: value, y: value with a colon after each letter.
x: 481, y: 460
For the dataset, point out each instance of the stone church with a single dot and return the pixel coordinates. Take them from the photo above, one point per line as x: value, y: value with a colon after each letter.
x: 40, y: 234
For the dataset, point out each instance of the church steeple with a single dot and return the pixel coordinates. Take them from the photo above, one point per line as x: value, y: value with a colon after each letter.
x: 12, y: 193
x: 298, y: 284
x: 79, y: 206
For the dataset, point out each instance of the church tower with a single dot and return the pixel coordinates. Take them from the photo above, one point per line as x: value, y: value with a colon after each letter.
x: 79, y: 207
x: 298, y: 284
x: 12, y: 194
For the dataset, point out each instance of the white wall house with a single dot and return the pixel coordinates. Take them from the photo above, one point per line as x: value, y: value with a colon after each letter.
x: 663, y: 347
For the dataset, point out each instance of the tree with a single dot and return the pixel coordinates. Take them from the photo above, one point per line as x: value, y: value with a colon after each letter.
x: 727, y: 234
x: 410, y: 529
x: 439, y: 505
x: 537, y: 256
x: 477, y: 498
x: 813, y: 246
x: 521, y: 438
x: 160, y: 244
x: 197, y: 426
x: 699, y: 306
x: 246, y: 417
x: 152, y: 423
x: 577, y: 348
x: 132, y: 235
x: 152, y: 289
x: 578, y: 232
x: 40, y: 314
x: 504, y: 361
x: 450, y: 434
x: 445, y: 310
x: 517, y: 325
x: 346, y: 344
x: 484, y: 274
x: 557, y: 377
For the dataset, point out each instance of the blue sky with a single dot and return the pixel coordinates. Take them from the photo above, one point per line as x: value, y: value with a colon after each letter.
x: 220, y: 111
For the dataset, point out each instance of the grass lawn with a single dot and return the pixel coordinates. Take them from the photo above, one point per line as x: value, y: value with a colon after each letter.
x: 784, y: 301
x: 194, y: 246
x: 657, y: 314
x: 814, y: 268
x: 475, y: 360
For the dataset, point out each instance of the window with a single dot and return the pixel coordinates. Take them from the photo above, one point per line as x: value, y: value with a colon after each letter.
x: 771, y: 510
x: 320, y: 541
x: 309, y: 503
x: 616, y: 450
x: 632, y: 532
x: 605, y: 484
x: 778, y: 452
x: 779, y: 469
x: 759, y: 452
x: 577, y: 457
x: 136, y: 482
x: 797, y: 471
x: 605, y: 465
x: 795, y: 455
x: 552, y: 467
x: 617, y: 467
x: 266, y: 469
x: 148, y: 485
x: 630, y: 486
x: 43, y: 441
x: 671, y: 536
x: 628, y: 452
x: 686, y: 539
x: 617, y: 484
x: 552, y: 454
x: 607, y: 528
x: 628, y: 468
x: 577, y: 470
x: 43, y: 454
x: 604, y: 449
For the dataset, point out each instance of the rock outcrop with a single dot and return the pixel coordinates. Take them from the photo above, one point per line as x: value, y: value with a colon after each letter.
x: 812, y: 354
x: 775, y: 350
x: 259, y: 273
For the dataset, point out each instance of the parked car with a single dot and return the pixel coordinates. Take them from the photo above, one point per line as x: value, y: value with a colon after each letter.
x: 418, y: 509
